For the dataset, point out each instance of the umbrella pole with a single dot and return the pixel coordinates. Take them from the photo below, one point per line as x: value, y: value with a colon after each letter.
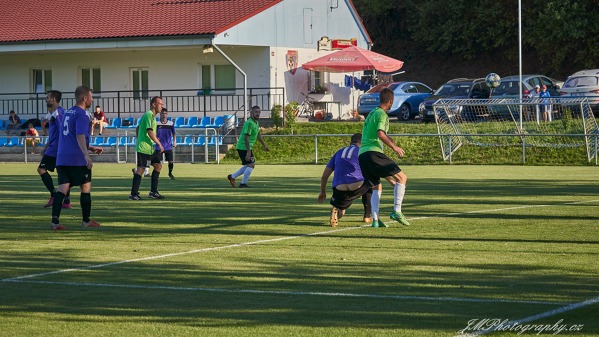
x: 353, y: 102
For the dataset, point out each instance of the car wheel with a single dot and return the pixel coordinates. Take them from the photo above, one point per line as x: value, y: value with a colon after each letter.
x: 404, y: 113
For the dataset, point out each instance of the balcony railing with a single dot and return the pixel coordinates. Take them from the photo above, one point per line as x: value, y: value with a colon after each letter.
x: 183, y: 102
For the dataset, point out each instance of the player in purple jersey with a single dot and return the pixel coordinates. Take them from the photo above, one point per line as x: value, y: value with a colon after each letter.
x: 165, y: 131
x: 348, y: 182
x: 73, y: 162
x: 48, y: 162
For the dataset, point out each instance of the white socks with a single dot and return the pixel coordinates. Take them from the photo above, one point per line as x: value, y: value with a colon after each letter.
x: 375, y: 203
x: 398, y: 192
x: 239, y: 172
x: 246, y: 174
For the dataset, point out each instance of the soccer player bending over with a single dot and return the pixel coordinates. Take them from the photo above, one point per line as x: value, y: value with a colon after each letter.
x: 348, y: 182
x: 376, y: 165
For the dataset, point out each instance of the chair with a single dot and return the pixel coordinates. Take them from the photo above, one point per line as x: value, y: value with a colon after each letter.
x: 14, y: 141
x: 96, y: 141
x: 200, y: 141
x: 110, y: 141
x: 184, y: 141
x: 204, y: 122
x: 179, y: 122
x: 218, y: 122
x: 116, y: 123
x: 3, y: 141
x: 135, y: 123
x: 191, y: 122
x: 216, y: 140
x: 2, y: 124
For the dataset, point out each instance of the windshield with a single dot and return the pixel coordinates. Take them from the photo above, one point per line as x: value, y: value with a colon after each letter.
x: 453, y: 89
x: 582, y: 81
x: 507, y: 88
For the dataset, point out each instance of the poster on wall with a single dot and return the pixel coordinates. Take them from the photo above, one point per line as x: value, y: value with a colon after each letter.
x: 291, y: 61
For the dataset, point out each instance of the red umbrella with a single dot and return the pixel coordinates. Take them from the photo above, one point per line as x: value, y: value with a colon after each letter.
x: 354, y: 59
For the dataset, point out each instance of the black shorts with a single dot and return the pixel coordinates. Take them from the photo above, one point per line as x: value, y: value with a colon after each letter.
x: 145, y: 160
x: 375, y: 165
x: 48, y: 163
x: 242, y: 154
x: 168, y: 155
x: 74, y: 175
x: 343, y: 199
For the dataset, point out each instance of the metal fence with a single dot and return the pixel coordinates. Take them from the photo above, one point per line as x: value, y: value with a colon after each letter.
x: 184, y: 102
x: 421, y: 149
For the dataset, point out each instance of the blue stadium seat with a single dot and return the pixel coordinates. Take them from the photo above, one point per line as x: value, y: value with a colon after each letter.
x: 2, y: 124
x: 117, y: 122
x: 96, y: 141
x: 110, y: 141
x: 191, y: 122
x: 184, y: 141
x: 216, y: 140
x: 218, y: 122
x: 135, y: 123
x: 204, y: 122
x: 179, y: 121
x: 3, y: 141
x: 200, y: 141
x: 14, y: 141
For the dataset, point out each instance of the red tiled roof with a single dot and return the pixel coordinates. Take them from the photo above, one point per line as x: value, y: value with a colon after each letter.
x: 35, y: 20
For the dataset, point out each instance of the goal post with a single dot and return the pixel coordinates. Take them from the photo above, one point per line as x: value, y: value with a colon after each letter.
x: 536, y: 122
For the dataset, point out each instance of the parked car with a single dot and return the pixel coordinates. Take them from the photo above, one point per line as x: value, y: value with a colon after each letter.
x: 458, y: 88
x: 408, y: 95
x: 508, y: 88
x: 584, y: 83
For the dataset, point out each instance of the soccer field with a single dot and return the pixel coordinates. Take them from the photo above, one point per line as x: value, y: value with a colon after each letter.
x: 507, y: 248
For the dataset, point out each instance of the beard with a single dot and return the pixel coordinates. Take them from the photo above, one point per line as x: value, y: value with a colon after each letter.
x: 49, y: 105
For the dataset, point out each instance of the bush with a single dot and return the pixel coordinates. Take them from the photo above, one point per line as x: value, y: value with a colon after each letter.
x: 290, y: 113
x: 275, y: 115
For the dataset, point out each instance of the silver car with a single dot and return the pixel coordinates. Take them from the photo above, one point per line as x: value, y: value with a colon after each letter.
x: 584, y: 83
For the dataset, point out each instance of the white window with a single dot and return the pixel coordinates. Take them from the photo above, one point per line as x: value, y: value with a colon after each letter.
x: 90, y: 77
x: 41, y: 80
x: 140, y: 83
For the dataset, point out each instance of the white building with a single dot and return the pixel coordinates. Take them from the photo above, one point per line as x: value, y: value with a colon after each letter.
x: 127, y: 50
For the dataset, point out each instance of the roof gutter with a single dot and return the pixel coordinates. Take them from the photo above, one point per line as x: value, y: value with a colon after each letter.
x: 245, y: 81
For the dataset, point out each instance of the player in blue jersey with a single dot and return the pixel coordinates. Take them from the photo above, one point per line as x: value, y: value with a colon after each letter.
x: 165, y: 131
x: 48, y: 162
x: 73, y: 162
x: 348, y: 182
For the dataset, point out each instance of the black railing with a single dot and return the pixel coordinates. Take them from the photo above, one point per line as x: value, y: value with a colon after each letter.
x: 187, y: 102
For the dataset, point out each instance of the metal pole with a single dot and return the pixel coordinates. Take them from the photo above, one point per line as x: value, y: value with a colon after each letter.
x: 523, y: 149
x: 450, y: 151
x: 520, y: 57
x: 316, y: 149
x: 596, y: 149
x: 245, y: 81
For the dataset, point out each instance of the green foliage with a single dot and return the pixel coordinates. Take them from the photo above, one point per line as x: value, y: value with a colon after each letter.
x: 420, y: 150
x: 275, y: 116
x: 290, y: 113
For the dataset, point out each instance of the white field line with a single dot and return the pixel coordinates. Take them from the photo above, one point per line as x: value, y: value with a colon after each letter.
x: 268, y: 240
x: 522, y: 321
x: 287, y: 293
x: 25, y: 277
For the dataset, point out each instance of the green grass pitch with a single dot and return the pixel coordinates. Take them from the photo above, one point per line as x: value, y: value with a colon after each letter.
x: 511, y: 243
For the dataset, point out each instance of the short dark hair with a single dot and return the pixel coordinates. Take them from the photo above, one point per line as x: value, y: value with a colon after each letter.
x: 386, y: 95
x: 81, y: 92
x: 255, y: 107
x: 154, y: 99
x: 164, y: 110
x: 356, y: 138
x: 11, y: 112
x: 57, y: 95
x: 97, y: 106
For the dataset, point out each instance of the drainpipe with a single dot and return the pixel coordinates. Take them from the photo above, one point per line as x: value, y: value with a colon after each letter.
x: 245, y: 81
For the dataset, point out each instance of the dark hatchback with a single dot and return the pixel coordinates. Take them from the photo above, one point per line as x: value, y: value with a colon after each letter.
x: 458, y: 88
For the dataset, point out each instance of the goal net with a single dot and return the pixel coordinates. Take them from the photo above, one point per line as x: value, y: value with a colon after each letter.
x: 535, y: 122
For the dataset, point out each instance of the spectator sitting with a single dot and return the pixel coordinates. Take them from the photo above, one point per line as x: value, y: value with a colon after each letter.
x: 99, y: 119
x: 14, y: 123
x: 32, y: 137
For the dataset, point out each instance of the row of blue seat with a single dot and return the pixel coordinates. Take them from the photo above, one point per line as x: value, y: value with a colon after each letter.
x: 122, y: 141
x: 179, y: 122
